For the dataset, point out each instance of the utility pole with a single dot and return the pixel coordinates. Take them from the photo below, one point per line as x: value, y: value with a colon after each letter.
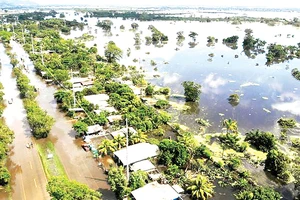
x: 42, y: 54
x: 74, y: 99
x: 127, y: 166
x: 32, y: 44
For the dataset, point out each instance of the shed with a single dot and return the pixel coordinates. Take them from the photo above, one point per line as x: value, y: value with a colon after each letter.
x: 122, y: 132
x: 144, y: 165
x: 136, y: 152
x: 114, y: 118
x: 94, y: 129
x: 155, y: 191
x: 98, y: 99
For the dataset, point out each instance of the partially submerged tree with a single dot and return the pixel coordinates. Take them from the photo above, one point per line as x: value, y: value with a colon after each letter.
x: 192, y: 90
x: 263, y: 141
x: 200, y: 187
x: 113, y: 52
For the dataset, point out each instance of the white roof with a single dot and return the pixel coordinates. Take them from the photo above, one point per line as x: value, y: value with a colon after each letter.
x: 94, y: 129
x: 98, y: 99
x: 107, y: 109
x: 113, y: 118
x: 122, y: 132
x: 178, y: 189
x: 137, y: 152
x: 78, y: 80
x: 155, y: 191
x: 144, y: 165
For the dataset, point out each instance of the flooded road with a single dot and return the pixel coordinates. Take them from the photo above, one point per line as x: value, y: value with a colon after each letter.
x: 28, y: 180
x: 79, y: 165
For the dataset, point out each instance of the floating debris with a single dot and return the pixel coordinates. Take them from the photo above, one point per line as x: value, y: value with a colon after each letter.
x: 231, y: 81
x: 268, y: 111
x: 254, y: 99
x: 221, y: 114
x: 249, y: 84
x: 265, y: 98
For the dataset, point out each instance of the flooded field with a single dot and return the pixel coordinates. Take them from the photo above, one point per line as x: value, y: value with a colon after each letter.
x: 267, y: 92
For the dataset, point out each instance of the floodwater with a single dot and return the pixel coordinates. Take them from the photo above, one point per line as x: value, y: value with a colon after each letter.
x: 266, y: 92
x: 28, y: 180
x: 79, y: 165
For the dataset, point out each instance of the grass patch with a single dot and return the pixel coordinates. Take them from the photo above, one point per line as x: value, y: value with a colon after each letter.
x: 52, y: 166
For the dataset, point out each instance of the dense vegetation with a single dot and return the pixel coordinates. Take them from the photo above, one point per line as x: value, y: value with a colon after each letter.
x: 252, y: 46
x: 296, y: 74
x: 192, y: 91
x: 6, y: 137
x: 263, y: 141
x: 40, y: 122
x: 61, y: 188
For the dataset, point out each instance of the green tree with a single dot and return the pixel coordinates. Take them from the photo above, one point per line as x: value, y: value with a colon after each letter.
x: 277, y: 164
x: 61, y: 188
x: 258, y: 193
x: 263, y: 141
x: 230, y: 125
x: 172, y: 152
x: 149, y: 90
x: 200, y: 187
x: 193, y: 35
x: 134, y: 26
x: 106, y: 147
x: 120, y: 141
x: 80, y: 127
x: 4, y: 176
x: 118, y: 183
x: 192, y: 90
x: 137, y: 179
x: 113, y: 52
x: 234, y: 100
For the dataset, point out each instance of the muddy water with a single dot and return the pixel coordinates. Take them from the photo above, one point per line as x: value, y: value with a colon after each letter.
x: 28, y: 180
x: 79, y: 165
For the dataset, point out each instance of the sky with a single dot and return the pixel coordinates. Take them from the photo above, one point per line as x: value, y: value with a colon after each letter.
x: 247, y: 3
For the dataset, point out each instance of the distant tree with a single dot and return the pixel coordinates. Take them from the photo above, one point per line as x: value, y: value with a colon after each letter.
x: 296, y: 74
x: 193, y: 35
x: 192, y: 90
x: 61, y: 188
x: 113, y: 52
x: 287, y: 123
x: 234, y: 100
x: 134, y: 26
x: 258, y: 193
x: 200, y: 187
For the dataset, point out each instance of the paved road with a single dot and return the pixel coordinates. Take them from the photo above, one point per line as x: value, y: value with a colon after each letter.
x: 79, y: 165
x: 28, y: 178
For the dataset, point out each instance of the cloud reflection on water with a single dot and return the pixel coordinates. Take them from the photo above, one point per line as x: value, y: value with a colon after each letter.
x: 212, y: 83
x: 292, y: 106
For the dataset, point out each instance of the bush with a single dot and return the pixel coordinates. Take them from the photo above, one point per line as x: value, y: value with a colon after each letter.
x: 258, y: 193
x: 203, y: 152
x: 277, y: 164
x: 162, y: 104
x: 149, y: 90
x: 263, y: 141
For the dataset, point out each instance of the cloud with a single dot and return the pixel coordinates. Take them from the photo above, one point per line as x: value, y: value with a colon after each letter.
x: 170, y: 78
x: 293, y: 106
x: 212, y: 83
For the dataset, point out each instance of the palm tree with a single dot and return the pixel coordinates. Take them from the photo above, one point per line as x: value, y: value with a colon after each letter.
x: 201, y: 188
x: 137, y: 138
x: 120, y: 141
x: 230, y: 125
x: 106, y: 147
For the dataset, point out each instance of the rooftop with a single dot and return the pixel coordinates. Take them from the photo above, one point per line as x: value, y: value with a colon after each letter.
x: 155, y: 191
x: 137, y: 152
x: 94, y: 129
x: 122, y: 132
x: 144, y: 165
x: 98, y: 99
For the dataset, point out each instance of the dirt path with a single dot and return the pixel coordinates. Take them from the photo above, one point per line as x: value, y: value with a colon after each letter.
x: 27, y: 174
x: 79, y: 165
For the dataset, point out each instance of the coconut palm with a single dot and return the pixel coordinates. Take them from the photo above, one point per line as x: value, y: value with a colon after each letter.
x: 137, y: 138
x: 120, y: 141
x: 201, y: 188
x: 230, y: 125
x: 106, y: 147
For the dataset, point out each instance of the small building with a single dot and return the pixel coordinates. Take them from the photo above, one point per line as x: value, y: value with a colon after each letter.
x: 155, y: 191
x: 106, y: 108
x: 98, y: 99
x: 94, y: 129
x: 136, y: 153
x: 123, y: 131
x: 113, y: 118
x: 78, y: 80
x: 144, y: 165
x: 87, y: 83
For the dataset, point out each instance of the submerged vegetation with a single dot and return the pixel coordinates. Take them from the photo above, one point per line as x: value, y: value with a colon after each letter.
x: 197, y: 163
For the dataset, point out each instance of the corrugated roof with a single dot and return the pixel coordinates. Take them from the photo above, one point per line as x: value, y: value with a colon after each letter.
x: 137, y: 152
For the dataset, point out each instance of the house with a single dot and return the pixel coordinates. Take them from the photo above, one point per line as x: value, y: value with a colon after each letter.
x: 94, y: 129
x: 156, y: 191
x: 144, y: 165
x: 136, y: 153
x: 113, y: 118
x: 123, y: 131
x: 98, y: 99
